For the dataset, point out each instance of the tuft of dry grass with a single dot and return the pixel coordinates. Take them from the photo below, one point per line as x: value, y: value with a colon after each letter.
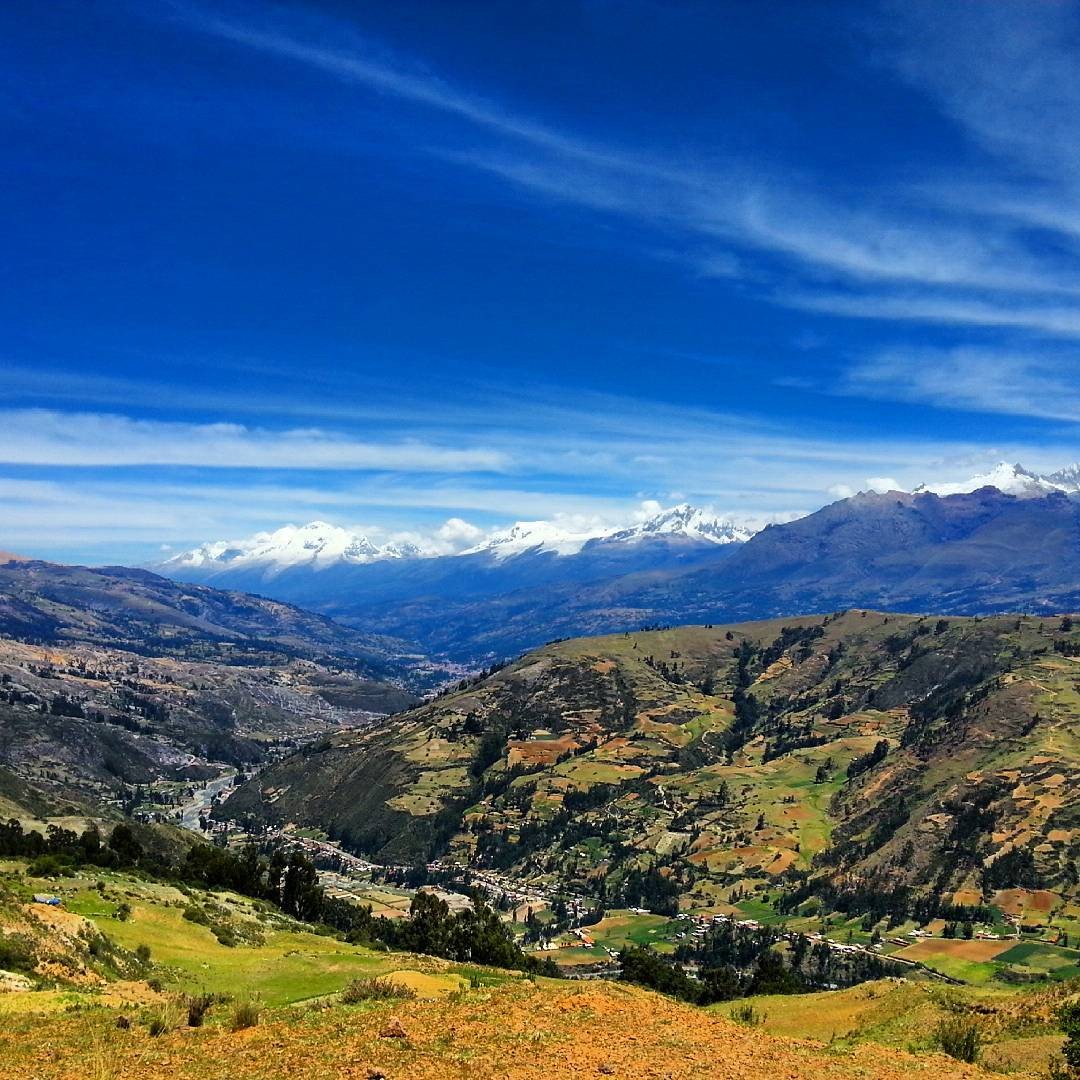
x: 246, y: 1014
x: 198, y: 1005
x: 959, y: 1037
x: 165, y: 1017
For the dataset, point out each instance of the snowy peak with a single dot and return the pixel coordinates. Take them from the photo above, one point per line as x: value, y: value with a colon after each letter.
x: 691, y: 522
x: 316, y: 545
x: 1010, y: 480
x: 1068, y: 478
x: 525, y: 536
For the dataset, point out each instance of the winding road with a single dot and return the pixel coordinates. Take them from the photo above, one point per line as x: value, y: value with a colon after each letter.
x: 204, y: 798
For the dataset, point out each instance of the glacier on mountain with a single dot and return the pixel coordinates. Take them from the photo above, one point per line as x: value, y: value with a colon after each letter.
x: 319, y: 545
x: 1010, y: 480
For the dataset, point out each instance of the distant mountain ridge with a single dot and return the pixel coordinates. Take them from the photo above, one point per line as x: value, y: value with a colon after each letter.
x: 983, y: 549
x: 968, y: 554
x: 319, y: 545
x: 971, y: 553
x: 136, y: 610
x: 693, y: 523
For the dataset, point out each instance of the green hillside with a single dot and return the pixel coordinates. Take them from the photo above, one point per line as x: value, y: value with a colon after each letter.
x: 103, y: 986
x: 891, y: 765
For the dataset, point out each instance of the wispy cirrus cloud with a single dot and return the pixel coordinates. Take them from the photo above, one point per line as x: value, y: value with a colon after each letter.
x: 973, y: 379
x: 962, y: 311
x: 604, y: 440
x: 1006, y: 74
x: 1008, y: 77
x: 743, y: 208
x: 899, y: 237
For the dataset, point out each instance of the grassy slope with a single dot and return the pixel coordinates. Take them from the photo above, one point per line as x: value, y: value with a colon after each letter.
x: 384, y: 791
x: 1017, y: 1028
x: 502, y: 1023
x: 276, y: 959
x: 522, y: 1030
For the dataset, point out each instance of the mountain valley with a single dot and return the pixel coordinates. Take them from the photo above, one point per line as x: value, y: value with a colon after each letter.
x: 540, y: 541
x: 113, y: 682
x: 876, y: 805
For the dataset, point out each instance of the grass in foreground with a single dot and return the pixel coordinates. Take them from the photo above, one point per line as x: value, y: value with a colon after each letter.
x: 524, y: 1029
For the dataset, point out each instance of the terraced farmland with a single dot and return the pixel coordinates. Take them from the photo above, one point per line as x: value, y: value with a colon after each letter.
x: 730, y: 764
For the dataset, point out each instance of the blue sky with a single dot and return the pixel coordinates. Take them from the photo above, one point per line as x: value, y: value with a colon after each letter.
x: 389, y: 264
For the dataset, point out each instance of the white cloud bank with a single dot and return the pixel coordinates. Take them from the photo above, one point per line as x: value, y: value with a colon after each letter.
x: 45, y: 437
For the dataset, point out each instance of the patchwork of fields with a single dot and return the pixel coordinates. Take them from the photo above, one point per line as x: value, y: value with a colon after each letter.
x: 733, y: 760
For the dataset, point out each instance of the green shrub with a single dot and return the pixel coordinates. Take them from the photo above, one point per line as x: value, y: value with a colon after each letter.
x: 959, y: 1038
x: 100, y: 947
x: 17, y: 953
x: 194, y: 913
x: 225, y: 936
x: 375, y: 989
x: 48, y: 866
x: 142, y: 954
x: 1068, y: 1018
x: 748, y: 1015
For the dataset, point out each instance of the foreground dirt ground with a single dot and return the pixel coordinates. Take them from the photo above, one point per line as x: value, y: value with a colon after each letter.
x: 519, y: 1031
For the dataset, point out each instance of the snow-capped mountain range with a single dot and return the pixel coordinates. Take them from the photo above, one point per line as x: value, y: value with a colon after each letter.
x: 1005, y: 539
x: 319, y: 545
x: 689, y: 521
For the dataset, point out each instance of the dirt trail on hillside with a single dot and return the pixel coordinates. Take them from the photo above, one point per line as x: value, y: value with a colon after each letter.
x: 516, y: 1032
